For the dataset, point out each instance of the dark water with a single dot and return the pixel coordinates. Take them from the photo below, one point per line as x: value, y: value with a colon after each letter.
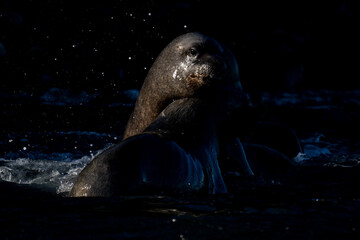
x: 54, y: 157
x: 319, y: 200
x: 44, y: 150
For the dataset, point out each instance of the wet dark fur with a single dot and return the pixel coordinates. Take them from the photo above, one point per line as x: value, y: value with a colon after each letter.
x: 177, y: 153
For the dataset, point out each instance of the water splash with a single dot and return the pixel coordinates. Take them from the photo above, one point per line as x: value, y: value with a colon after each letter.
x: 57, y: 175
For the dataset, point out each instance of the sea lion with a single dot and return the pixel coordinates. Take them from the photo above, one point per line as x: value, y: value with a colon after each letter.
x: 177, y: 138
x: 171, y: 142
x: 187, y: 67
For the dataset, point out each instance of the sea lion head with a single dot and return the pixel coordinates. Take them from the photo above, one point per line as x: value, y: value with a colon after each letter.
x: 193, y: 64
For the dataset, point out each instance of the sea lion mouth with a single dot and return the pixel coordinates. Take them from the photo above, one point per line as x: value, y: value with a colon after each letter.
x: 205, y: 85
x: 197, y: 80
x: 202, y: 81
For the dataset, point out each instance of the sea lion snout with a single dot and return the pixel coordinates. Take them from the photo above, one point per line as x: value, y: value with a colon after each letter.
x: 207, y: 71
x: 214, y: 64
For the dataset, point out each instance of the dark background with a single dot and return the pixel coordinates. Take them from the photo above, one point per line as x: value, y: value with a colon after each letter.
x: 66, y: 65
x: 64, y: 69
x: 85, y: 46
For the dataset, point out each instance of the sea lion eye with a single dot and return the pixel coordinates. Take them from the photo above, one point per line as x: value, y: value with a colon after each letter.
x: 193, y: 52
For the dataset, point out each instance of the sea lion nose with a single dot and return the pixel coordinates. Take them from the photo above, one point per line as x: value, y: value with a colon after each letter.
x: 216, y: 66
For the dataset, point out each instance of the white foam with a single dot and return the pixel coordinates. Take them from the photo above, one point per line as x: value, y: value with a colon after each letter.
x: 316, y: 151
x: 301, y: 158
x: 59, y: 175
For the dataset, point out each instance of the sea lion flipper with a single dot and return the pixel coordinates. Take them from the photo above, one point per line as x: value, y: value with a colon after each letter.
x: 236, y: 152
x: 268, y: 162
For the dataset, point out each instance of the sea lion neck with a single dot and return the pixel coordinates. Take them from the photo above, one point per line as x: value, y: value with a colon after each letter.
x: 147, y: 108
x: 157, y: 91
